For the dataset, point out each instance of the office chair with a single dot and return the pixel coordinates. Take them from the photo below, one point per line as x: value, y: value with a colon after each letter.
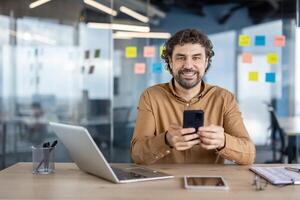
x: 278, y: 138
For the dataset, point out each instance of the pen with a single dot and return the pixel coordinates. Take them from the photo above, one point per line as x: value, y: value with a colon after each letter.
x: 294, y: 169
x: 45, y: 160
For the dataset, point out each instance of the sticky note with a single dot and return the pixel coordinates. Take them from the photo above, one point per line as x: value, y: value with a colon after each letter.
x: 253, y: 76
x: 161, y: 48
x: 244, y: 40
x: 87, y: 54
x: 91, y: 69
x: 157, y: 68
x: 149, y: 51
x: 271, y: 77
x: 260, y: 40
x: 97, y: 53
x: 130, y: 52
x: 247, y: 57
x: 279, y: 41
x: 139, y: 68
x: 272, y: 58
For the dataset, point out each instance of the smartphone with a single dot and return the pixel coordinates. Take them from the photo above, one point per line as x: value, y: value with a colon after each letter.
x: 193, y: 119
x: 205, y: 182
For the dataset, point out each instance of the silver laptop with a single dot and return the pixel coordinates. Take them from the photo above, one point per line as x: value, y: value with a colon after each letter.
x: 87, y: 156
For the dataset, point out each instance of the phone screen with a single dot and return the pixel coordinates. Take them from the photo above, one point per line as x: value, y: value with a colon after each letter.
x: 193, y: 119
x: 205, y: 181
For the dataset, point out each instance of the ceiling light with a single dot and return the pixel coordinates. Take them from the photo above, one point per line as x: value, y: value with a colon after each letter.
x: 101, y: 7
x: 38, y: 3
x: 134, y: 14
x: 122, y: 27
x: 157, y: 35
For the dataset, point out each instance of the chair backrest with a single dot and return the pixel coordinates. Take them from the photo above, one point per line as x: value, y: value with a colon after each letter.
x: 276, y: 131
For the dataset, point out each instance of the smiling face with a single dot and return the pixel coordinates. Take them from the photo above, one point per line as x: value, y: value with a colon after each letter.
x: 188, y: 64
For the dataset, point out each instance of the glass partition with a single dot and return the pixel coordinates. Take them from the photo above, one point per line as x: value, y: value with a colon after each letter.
x: 72, y: 62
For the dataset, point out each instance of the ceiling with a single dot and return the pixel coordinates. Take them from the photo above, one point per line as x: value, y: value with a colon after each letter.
x: 73, y: 10
x: 258, y: 10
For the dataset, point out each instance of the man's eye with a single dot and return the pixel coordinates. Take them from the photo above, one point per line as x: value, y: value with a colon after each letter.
x: 180, y: 58
x: 197, y: 58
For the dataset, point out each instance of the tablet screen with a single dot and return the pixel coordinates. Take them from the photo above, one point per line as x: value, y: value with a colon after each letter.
x: 205, y: 181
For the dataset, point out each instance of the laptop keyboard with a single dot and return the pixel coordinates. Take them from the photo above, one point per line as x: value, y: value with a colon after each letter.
x: 125, y: 175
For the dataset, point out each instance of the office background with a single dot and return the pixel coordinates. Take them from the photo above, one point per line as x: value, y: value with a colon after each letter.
x: 69, y: 61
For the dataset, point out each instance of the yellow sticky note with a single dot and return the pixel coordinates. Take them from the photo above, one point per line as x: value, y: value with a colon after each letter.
x: 244, y: 40
x: 130, y: 52
x: 161, y: 50
x: 149, y: 51
x: 247, y: 57
x: 253, y: 76
x: 272, y: 58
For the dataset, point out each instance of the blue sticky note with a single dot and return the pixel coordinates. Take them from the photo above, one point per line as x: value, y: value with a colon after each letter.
x: 157, y: 68
x: 271, y: 77
x: 260, y: 40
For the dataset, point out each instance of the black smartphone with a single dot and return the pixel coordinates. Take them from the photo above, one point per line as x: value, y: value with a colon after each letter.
x: 193, y: 119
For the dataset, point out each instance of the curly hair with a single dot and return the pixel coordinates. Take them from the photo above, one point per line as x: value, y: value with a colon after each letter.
x: 183, y: 37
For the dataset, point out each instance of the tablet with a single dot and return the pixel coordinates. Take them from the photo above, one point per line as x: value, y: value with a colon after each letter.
x: 205, y: 182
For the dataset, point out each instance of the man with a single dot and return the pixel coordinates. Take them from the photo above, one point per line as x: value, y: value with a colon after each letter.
x: 159, y: 136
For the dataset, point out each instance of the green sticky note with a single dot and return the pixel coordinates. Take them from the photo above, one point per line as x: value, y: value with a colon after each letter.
x: 97, y: 53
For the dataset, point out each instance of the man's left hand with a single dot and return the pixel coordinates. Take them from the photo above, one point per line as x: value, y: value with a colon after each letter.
x: 212, y: 137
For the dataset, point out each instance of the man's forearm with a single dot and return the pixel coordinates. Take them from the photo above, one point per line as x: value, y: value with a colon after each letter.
x: 149, y: 150
x: 239, y: 150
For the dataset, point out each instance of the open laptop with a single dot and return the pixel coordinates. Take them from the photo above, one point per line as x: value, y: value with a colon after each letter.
x: 88, y: 157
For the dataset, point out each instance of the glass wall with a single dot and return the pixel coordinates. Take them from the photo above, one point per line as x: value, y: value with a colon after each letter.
x: 70, y: 62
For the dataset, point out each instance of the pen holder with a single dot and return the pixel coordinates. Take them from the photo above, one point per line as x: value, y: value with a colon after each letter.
x: 43, y: 160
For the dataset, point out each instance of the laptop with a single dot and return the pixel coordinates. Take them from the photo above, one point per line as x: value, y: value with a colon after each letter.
x: 88, y: 157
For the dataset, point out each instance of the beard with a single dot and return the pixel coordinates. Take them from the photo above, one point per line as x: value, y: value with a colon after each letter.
x: 187, y: 84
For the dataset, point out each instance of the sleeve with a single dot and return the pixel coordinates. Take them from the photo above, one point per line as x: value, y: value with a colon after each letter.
x: 238, y: 146
x: 147, y: 146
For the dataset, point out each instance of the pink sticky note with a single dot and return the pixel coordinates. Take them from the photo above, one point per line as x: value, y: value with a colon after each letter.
x: 279, y: 41
x: 149, y: 51
x: 247, y: 57
x: 139, y: 68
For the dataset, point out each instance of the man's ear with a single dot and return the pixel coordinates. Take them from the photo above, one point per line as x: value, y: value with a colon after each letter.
x: 170, y: 62
x: 206, y: 64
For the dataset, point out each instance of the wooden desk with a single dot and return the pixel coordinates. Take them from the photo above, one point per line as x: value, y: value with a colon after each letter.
x: 17, y: 182
x: 291, y: 126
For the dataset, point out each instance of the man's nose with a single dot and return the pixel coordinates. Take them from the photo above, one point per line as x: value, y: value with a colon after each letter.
x: 188, y: 63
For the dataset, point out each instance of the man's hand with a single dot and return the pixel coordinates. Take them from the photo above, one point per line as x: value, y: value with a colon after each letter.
x: 177, y: 138
x: 212, y: 137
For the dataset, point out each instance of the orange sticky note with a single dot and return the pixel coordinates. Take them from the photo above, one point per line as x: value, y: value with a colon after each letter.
x: 149, y: 51
x: 139, y: 68
x: 247, y: 58
x: 279, y: 41
x: 253, y: 76
x: 244, y: 40
x: 131, y: 52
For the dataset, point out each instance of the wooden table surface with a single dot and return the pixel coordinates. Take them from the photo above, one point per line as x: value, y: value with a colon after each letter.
x: 68, y: 182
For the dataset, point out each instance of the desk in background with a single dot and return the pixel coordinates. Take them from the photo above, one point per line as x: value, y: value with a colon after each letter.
x: 17, y: 182
x: 291, y: 126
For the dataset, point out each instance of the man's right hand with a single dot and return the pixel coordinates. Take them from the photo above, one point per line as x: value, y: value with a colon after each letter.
x: 182, y: 138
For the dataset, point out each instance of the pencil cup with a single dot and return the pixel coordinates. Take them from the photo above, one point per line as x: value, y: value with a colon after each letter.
x: 43, y: 160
